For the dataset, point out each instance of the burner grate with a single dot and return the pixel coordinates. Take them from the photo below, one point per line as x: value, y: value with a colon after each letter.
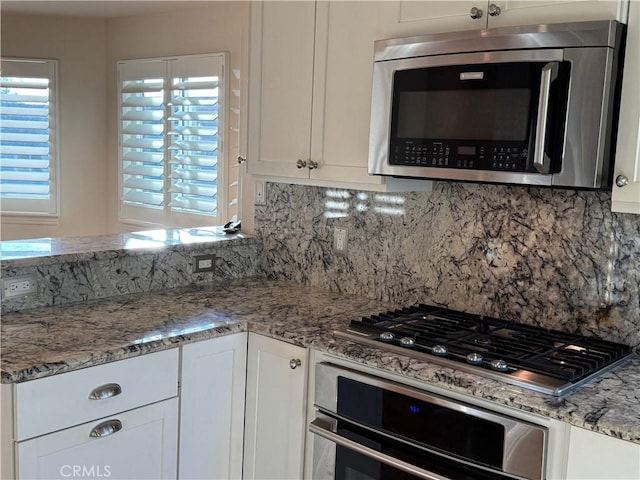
x: 523, y: 350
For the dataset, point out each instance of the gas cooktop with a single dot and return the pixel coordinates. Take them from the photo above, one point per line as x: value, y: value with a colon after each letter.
x: 547, y: 361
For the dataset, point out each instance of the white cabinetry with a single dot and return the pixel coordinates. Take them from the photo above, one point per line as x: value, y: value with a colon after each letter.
x: 275, y: 420
x: 117, y: 420
x: 144, y: 447
x: 280, y: 87
x: 310, y: 93
x: 407, y: 17
x: 626, y: 198
x: 212, y: 408
x: 311, y: 72
x: 596, y: 456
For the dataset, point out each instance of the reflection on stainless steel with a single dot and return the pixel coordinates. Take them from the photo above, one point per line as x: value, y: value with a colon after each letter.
x: 523, y: 444
x: 580, y: 150
x: 536, y: 358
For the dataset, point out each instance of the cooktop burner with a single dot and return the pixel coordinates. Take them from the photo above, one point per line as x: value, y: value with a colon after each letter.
x: 544, y: 360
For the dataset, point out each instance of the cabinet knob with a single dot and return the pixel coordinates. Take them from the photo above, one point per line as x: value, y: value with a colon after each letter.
x: 301, y: 163
x: 105, y: 429
x: 621, y: 181
x: 241, y: 159
x: 312, y: 165
x: 475, y: 13
x: 494, y: 10
x: 294, y: 363
x: 105, y: 391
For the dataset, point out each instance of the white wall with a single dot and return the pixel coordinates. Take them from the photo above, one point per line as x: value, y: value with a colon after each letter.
x: 80, y: 45
x: 88, y: 50
x: 213, y: 27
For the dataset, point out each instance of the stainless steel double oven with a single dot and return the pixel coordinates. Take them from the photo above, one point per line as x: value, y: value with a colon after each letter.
x: 368, y: 427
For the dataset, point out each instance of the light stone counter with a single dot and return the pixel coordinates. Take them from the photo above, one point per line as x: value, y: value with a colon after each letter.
x: 45, y: 341
x: 45, y: 251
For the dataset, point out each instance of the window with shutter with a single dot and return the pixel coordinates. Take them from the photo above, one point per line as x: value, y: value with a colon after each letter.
x: 28, y: 139
x: 171, y: 139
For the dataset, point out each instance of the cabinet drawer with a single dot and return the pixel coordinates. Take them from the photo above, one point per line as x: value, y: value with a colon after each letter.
x: 60, y: 401
x: 142, y: 446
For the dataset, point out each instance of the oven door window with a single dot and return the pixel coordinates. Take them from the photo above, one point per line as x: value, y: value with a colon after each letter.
x: 352, y: 465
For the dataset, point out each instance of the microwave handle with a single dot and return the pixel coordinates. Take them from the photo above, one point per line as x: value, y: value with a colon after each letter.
x: 541, y: 160
x: 324, y: 429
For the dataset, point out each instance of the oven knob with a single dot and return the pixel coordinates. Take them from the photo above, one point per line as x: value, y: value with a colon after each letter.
x: 475, y: 358
x: 499, y: 365
x: 408, y: 342
x: 440, y: 350
x: 387, y: 336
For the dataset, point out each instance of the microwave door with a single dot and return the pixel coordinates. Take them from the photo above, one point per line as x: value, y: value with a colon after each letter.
x: 382, y: 122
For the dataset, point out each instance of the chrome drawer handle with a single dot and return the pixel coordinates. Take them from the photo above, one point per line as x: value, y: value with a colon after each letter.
x: 106, y: 428
x: 294, y: 363
x: 105, y: 391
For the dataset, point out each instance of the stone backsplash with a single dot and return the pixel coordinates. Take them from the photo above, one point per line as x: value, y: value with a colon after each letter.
x: 550, y: 257
x: 89, y: 268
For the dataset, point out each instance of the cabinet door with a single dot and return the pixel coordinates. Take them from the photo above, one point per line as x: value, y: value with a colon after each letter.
x: 275, y: 420
x: 407, y: 17
x: 627, y: 162
x: 144, y: 448
x: 280, y: 87
x: 524, y: 12
x: 212, y: 408
x: 342, y: 90
x: 596, y: 456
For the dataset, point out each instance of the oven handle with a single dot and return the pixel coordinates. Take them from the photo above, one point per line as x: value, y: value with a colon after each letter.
x: 323, y: 428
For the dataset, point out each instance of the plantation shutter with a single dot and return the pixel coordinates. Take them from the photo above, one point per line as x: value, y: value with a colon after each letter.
x: 171, y: 137
x: 194, y: 140
x: 28, y: 146
x: 142, y: 153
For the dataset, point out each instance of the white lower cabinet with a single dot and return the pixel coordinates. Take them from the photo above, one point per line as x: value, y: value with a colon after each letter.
x: 275, y: 422
x: 118, y: 420
x: 597, y: 456
x: 212, y: 408
x: 137, y: 444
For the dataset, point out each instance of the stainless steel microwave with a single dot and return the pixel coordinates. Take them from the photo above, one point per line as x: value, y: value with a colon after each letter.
x: 534, y: 105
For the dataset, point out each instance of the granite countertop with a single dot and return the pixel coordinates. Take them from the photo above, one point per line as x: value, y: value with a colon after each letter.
x: 45, y: 341
x: 42, y: 251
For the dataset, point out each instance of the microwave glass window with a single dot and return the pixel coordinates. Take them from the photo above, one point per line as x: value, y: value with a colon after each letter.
x: 478, y: 114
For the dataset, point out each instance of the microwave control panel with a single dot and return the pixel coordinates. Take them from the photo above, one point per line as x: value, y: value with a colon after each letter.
x: 501, y: 156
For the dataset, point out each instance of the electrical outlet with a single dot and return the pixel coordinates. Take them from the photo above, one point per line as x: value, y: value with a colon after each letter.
x: 16, y: 286
x: 340, y: 240
x: 260, y: 193
x: 204, y: 263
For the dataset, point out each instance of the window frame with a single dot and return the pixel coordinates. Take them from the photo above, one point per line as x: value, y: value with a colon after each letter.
x: 31, y: 210
x: 164, y: 217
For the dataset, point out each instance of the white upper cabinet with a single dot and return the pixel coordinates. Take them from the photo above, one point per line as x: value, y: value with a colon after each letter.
x: 408, y: 17
x: 626, y: 173
x: 310, y: 90
x: 281, y: 62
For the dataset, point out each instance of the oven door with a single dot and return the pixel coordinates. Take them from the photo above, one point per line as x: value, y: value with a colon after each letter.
x: 372, y: 428
x: 345, y: 451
